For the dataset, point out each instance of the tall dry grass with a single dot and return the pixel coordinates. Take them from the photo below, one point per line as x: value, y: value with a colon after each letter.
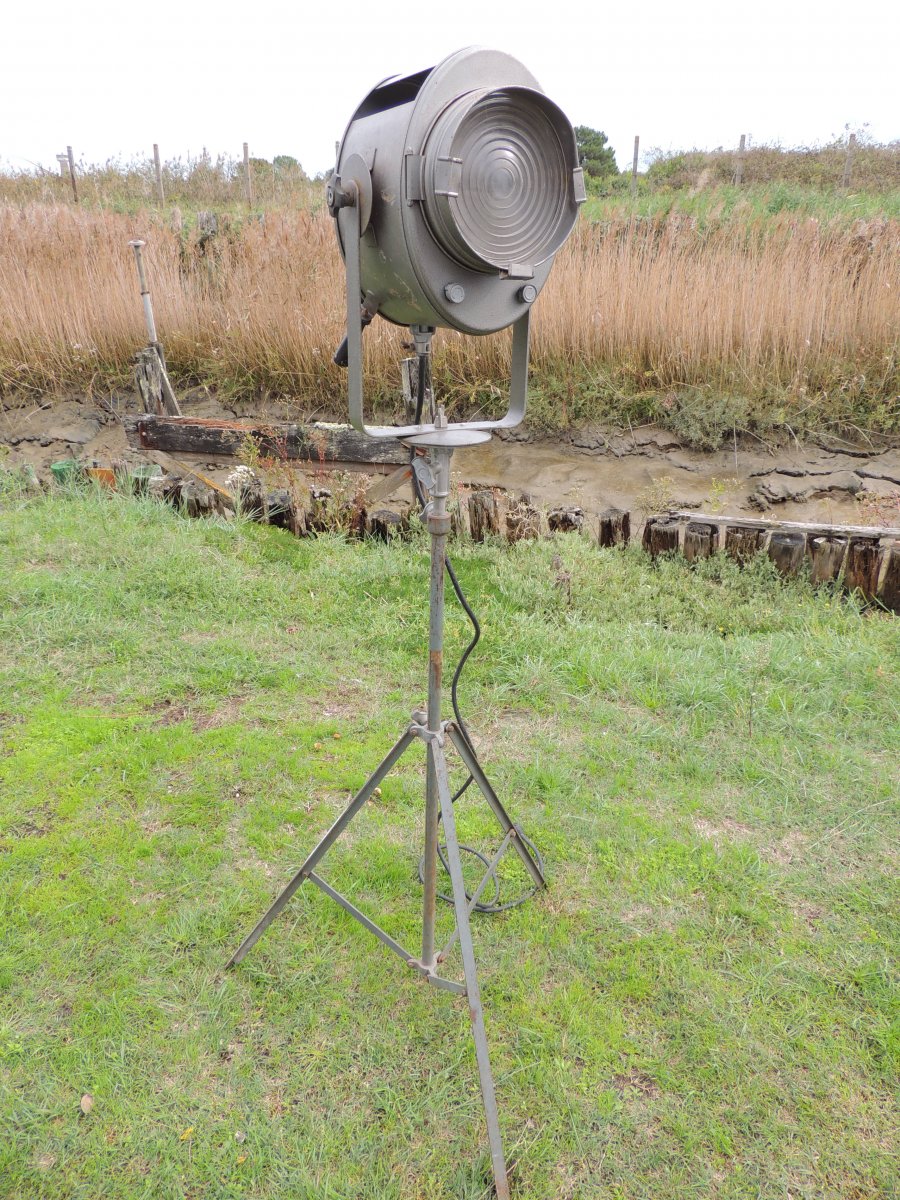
x: 709, y: 327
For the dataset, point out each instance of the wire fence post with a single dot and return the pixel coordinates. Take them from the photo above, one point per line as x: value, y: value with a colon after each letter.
x: 71, y: 157
x: 739, y: 161
x: 634, y: 165
x: 248, y: 182
x: 848, y: 161
x: 157, y: 167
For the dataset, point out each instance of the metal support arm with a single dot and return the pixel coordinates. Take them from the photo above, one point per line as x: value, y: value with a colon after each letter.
x: 348, y: 218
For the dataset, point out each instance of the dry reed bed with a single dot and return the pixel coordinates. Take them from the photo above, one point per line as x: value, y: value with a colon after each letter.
x: 782, y: 312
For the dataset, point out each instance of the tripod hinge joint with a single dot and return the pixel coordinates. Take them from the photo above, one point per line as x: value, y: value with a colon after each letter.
x: 427, y: 735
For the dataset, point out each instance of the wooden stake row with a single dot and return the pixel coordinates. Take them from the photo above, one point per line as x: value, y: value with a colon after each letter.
x: 865, y: 561
x: 860, y: 559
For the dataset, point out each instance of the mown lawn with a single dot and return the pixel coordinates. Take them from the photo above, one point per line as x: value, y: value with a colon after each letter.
x: 703, y: 1004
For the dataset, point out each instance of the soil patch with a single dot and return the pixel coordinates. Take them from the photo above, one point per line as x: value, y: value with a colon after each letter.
x: 642, y: 470
x: 168, y: 714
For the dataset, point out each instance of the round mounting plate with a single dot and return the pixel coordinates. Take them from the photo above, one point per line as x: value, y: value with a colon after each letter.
x: 449, y: 439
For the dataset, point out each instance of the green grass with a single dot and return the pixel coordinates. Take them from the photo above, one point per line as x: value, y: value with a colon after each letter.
x: 752, y: 203
x: 703, y: 1004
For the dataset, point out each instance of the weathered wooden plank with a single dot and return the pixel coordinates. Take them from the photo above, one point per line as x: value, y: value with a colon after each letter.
x: 175, y: 467
x: 802, y: 526
x: 388, y: 484
x: 318, y: 442
x: 153, y: 384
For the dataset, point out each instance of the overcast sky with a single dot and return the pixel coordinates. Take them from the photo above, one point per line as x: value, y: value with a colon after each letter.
x: 112, y: 78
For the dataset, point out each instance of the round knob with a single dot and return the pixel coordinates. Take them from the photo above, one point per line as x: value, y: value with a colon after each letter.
x: 455, y: 292
x: 527, y: 294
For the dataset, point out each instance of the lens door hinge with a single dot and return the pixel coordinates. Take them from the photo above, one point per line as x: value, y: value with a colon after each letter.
x: 413, y: 177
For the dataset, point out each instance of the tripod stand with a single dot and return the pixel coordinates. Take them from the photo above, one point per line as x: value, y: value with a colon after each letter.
x: 436, y: 734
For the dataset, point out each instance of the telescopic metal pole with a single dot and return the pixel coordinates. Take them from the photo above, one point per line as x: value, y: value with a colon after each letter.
x: 438, y: 527
x: 168, y: 392
x: 137, y: 246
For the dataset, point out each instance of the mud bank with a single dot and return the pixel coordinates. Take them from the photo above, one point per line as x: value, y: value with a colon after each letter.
x: 644, y: 470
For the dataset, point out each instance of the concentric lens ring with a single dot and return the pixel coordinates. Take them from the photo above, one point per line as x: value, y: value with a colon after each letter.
x: 498, y: 179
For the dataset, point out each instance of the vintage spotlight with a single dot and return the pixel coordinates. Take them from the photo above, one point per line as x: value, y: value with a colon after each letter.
x: 453, y: 190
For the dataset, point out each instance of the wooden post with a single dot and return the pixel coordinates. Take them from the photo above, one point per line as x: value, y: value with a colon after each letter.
x: 157, y: 487
x: 249, y: 496
x: 615, y: 528
x: 248, y: 182
x: 148, y: 379
x: 383, y: 524
x: 169, y: 489
x: 848, y: 161
x: 318, y: 518
x: 484, y: 519
x: 567, y: 519
x: 739, y: 161
x: 634, y: 165
x: 889, y: 591
x: 523, y: 521
x: 743, y: 541
x: 861, y: 572
x: 358, y: 520
x: 661, y: 536
x: 826, y: 557
x: 700, y: 540
x: 157, y: 167
x: 786, y: 551
x: 280, y: 509
x: 196, y: 499
x: 71, y: 157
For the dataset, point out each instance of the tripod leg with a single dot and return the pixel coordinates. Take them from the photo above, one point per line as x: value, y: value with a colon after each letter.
x: 473, y: 766
x: 322, y: 848
x: 476, y: 1013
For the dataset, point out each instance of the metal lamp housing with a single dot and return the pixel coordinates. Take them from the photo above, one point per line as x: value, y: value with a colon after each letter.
x: 469, y: 183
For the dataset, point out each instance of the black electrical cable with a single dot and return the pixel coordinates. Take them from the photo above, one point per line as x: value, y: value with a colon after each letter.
x: 491, y: 906
x: 420, y: 388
